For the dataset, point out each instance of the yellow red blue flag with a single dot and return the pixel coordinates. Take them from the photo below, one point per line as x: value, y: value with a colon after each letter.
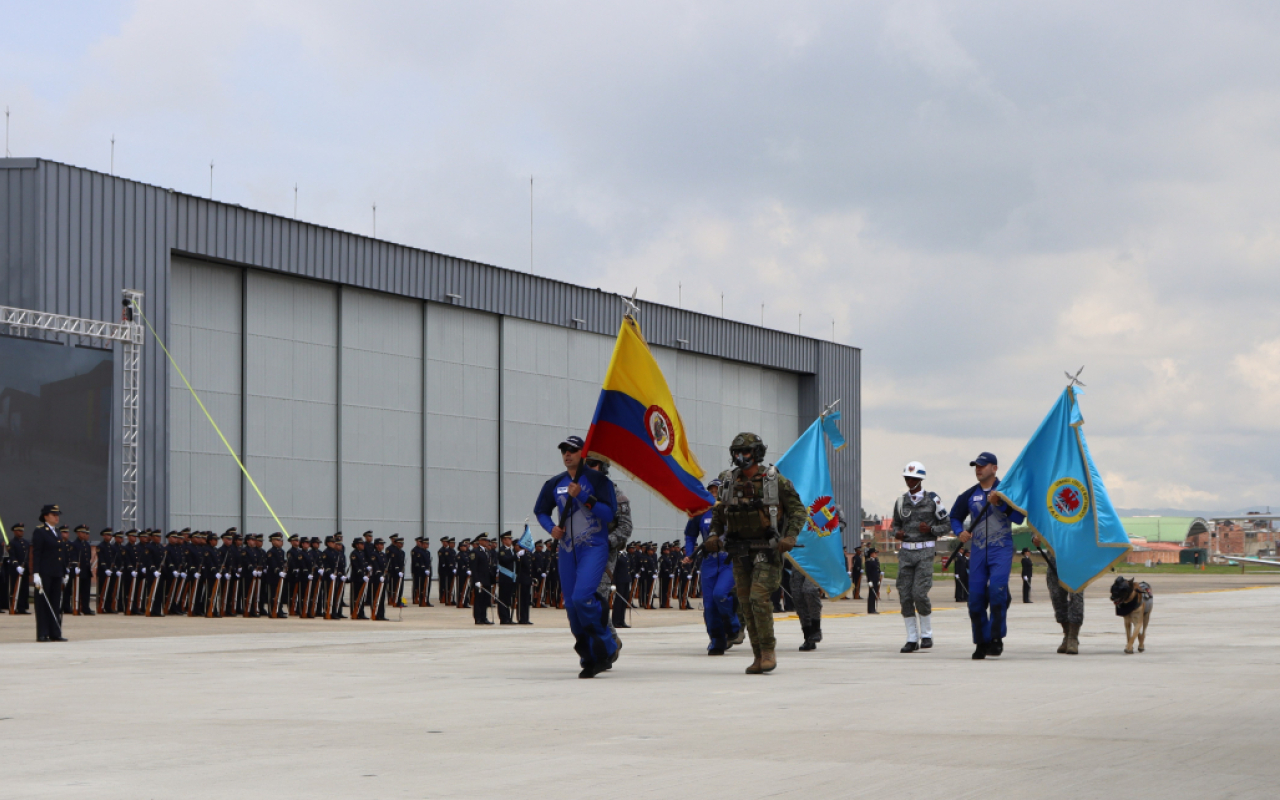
x: 637, y: 426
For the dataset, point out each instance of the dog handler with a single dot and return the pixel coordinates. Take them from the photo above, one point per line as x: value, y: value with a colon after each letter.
x: 990, y: 529
x: 919, y: 518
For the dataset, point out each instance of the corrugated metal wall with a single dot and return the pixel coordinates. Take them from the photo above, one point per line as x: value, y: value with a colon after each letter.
x: 73, y: 239
x: 381, y: 426
x: 206, y: 339
x: 291, y: 402
x: 462, y: 421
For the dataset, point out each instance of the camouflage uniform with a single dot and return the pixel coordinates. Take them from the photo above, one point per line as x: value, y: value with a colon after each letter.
x: 757, y: 573
x: 808, y: 600
x: 1068, y: 607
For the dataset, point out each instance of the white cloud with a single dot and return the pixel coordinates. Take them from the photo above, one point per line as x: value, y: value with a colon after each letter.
x: 979, y: 195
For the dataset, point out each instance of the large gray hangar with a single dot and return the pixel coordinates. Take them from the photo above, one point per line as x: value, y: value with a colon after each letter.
x: 366, y: 384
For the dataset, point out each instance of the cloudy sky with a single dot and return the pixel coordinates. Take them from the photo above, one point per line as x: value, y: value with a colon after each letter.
x: 980, y: 194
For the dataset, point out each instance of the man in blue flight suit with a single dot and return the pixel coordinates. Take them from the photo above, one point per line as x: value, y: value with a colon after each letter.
x: 723, y: 626
x: 586, y: 503
x: 990, y: 532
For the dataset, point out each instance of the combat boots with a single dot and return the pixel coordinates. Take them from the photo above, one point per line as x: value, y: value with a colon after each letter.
x: 1066, y: 637
x: 808, y: 638
x: 768, y: 661
x: 755, y: 669
x: 1073, y: 640
x: 740, y: 638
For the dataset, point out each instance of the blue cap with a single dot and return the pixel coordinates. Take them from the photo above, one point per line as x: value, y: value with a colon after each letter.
x: 715, y: 483
x: 571, y: 443
x: 983, y: 459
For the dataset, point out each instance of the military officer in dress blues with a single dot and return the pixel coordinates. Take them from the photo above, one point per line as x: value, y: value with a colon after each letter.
x: 50, y: 568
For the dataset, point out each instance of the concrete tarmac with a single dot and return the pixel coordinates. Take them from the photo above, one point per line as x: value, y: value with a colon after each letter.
x: 387, y: 710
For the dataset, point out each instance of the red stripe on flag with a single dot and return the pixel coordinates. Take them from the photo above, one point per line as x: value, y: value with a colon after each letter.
x: 644, y: 463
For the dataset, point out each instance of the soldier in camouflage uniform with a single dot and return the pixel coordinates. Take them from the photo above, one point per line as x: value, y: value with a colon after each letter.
x: 1068, y: 607
x: 808, y: 600
x: 919, y: 518
x: 757, y: 517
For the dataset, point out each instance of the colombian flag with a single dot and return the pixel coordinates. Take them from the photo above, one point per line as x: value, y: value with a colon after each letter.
x: 637, y: 427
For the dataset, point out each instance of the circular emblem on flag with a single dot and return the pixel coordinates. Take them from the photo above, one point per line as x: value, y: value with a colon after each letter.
x: 822, y: 516
x: 660, y: 429
x: 1068, y: 500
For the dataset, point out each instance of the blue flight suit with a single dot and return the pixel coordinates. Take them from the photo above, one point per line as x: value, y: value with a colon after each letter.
x: 717, y: 586
x: 582, y: 556
x: 990, y: 559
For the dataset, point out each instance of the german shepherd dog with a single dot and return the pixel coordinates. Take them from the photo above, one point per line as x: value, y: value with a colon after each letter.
x: 1133, y: 601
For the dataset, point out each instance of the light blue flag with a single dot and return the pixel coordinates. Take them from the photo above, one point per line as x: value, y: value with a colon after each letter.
x: 805, y: 465
x: 526, y: 538
x: 1055, y: 483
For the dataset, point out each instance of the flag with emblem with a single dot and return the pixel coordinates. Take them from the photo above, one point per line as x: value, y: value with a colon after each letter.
x: 805, y: 465
x: 637, y: 427
x: 526, y: 538
x: 1055, y: 483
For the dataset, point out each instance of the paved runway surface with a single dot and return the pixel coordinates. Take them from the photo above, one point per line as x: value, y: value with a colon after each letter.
x: 388, y: 711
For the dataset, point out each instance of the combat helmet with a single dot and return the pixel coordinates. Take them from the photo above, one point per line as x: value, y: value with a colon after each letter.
x: 747, y: 450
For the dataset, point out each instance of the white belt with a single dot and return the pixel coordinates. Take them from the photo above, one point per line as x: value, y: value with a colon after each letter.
x: 917, y: 545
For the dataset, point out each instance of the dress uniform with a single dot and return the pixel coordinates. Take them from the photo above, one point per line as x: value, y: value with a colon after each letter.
x: 420, y: 566
x: 872, y: 565
x: 962, y: 576
x: 277, y: 574
x: 378, y: 587
x: 1028, y: 572
x: 49, y: 561
x: 524, y: 584
x: 360, y: 579
x: 506, y: 579
x: 395, y: 571
x: 479, y: 579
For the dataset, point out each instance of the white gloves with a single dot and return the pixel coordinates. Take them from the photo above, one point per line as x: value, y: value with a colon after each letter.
x: 366, y: 578
x: 310, y: 577
x: 197, y: 576
x: 21, y: 570
x: 175, y: 574
x: 39, y: 583
x: 157, y: 574
x: 282, y: 575
x: 134, y: 573
x: 382, y: 578
x: 401, y: 574
x: 78, y: 571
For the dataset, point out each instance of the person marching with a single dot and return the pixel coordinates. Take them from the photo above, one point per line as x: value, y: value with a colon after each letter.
x: 990, y: 528
x: 919, y: 518
x: 1068, y: 607
x: 620, y: 529
x: 759, y: 515
x: 49, y: 559
x: 872, y: 565
x: 586, y: 503
x: 724, y: 628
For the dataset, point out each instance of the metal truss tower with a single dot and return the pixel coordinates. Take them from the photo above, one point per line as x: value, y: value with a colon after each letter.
x: 129, y: 333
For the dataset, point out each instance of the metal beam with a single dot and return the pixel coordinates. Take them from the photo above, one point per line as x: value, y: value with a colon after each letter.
x: 129, y: 333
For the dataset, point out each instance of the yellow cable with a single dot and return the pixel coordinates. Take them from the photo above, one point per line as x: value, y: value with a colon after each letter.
x: 209, y: 417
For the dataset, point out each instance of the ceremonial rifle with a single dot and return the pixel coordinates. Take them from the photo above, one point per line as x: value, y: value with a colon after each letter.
x: 155, y: 586
x: 212, y: 603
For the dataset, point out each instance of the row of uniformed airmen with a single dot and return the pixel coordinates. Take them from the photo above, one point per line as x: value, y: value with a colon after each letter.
x: 200, y: 573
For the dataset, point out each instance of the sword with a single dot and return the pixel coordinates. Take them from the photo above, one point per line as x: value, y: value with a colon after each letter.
x: 56, y: 619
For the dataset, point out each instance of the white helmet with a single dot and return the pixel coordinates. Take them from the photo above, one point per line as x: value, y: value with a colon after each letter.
x: 913, y: 470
